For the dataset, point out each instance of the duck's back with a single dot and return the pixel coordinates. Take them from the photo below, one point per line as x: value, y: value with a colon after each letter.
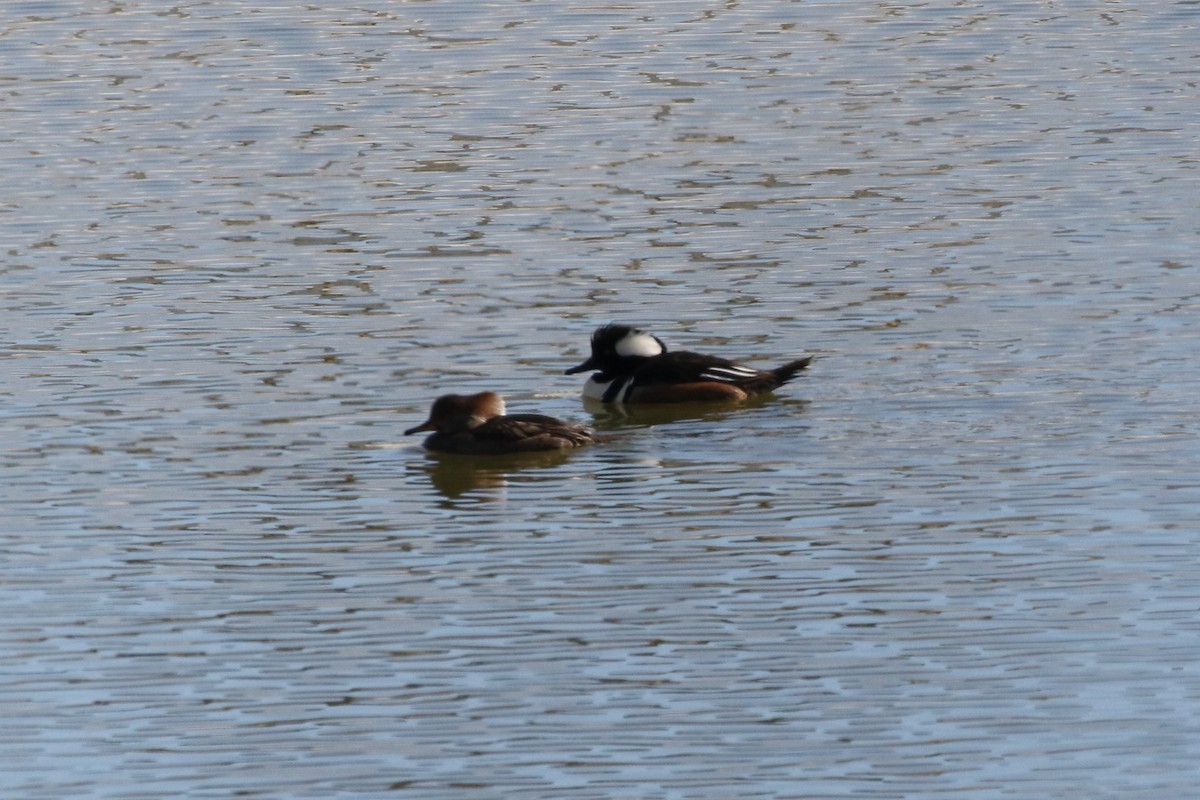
x: 517, y: 433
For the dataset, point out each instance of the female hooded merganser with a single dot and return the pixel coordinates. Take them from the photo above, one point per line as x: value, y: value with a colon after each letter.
x: 634, y: 367
x: 475, y: 424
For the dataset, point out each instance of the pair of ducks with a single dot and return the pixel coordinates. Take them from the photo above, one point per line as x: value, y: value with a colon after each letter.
x: 631, y: 366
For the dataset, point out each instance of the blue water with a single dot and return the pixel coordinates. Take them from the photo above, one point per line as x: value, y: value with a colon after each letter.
x: 246, y: 246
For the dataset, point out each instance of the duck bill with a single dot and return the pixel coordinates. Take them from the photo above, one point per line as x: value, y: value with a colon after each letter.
x: 427, y: 425
x: 584, y: 367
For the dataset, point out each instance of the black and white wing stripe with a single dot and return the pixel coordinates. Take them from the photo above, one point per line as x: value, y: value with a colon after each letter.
x: 729, y: 373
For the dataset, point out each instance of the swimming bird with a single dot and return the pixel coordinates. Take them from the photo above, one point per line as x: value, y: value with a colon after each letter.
x: 633, y: 366
x: 476, y: 424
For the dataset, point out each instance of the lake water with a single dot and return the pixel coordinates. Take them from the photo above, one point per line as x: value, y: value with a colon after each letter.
x: 245, y: 246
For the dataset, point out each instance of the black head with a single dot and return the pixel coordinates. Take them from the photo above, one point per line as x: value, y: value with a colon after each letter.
x: 615, y: 344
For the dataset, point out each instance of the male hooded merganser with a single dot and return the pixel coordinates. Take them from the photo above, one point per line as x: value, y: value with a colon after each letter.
x: 475, y: 424
x: 634, y: 367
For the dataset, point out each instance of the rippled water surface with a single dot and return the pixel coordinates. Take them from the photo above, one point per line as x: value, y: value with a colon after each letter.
x: 245, y: 245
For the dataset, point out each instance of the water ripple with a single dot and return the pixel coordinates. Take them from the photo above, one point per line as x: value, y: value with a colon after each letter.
x: 244, y: 249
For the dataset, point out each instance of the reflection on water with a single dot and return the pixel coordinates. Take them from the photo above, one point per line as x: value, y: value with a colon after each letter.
x: 245, y: 244
x: 621, y: 416
x: 455, y: 475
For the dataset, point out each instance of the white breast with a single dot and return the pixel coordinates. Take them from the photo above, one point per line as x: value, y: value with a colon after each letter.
x: 595, y: 389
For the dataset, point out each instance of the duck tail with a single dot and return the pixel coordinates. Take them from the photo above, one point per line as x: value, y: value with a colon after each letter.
x: 791, y: 369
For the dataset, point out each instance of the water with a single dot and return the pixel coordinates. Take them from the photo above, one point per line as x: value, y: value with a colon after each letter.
x: 246, y: 246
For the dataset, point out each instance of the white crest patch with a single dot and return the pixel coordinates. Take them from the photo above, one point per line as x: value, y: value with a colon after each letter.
x: 638, y: 343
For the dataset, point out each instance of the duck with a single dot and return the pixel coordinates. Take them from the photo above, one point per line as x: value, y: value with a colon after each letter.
x: 476, y: 424
x: 632, y: 366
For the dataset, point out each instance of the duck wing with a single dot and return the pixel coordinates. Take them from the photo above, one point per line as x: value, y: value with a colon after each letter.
x: 685, y: 367
x: 532, y: 429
